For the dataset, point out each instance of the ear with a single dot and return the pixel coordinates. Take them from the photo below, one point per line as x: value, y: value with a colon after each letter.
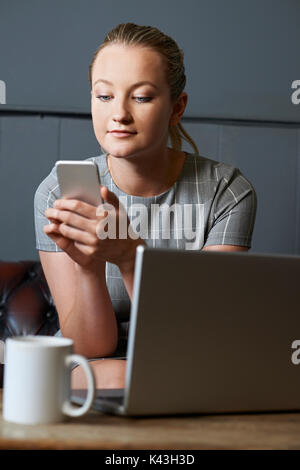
x: 178, y: 108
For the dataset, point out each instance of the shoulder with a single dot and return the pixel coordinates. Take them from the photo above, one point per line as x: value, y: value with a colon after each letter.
x: 48, y: 189
x: 207, y: 167
x: 219, y: 174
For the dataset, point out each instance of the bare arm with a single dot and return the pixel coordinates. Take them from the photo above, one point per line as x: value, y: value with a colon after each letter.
x: 83, y: 303
x: 127, y: 270
x: 225, y: 248
x: 76, y: 276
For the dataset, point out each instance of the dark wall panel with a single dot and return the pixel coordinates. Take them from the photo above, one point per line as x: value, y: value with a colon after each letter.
x: 29, y: 149
x: 268, y: 157
x: 77, y: 139
x: 240, y: 55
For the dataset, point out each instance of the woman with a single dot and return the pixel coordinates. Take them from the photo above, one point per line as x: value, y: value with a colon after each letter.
x: 137, y: 86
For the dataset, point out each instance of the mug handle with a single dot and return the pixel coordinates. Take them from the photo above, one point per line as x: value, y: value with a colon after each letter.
x: 67, y: 407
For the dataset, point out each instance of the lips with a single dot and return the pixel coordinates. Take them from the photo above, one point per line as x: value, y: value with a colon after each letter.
x: 121, y: 132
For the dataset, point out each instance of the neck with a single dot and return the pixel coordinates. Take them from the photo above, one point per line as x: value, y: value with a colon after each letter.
x: 148, y: 176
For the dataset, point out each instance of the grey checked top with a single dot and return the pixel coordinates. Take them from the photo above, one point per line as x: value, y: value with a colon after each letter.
x: 211, y: 203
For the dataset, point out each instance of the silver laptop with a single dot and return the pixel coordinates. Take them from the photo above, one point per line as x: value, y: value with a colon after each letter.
x: 210, y: 332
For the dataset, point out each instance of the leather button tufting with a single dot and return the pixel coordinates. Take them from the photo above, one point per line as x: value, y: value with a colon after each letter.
x: 32, y: 274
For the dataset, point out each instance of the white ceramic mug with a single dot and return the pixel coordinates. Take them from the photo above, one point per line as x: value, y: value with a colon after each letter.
x: 37, y: 378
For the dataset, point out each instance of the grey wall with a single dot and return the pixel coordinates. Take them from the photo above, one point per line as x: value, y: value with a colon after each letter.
x: 241, y: 58
x: 240, y: 55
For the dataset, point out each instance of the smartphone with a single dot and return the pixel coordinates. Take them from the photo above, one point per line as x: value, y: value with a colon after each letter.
x: 79, y: 180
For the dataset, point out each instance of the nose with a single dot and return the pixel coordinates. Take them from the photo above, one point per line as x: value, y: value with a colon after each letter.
x: 121, y: 112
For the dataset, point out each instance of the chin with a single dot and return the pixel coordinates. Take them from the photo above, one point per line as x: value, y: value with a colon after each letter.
x: 121, y: 151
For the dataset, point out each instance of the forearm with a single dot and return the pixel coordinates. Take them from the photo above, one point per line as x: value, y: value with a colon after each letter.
x: 128, y: 279
x: 127, y: 270
x: 91, y: 323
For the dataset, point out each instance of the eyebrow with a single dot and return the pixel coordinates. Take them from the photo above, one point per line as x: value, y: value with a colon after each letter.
x: 133, y: 86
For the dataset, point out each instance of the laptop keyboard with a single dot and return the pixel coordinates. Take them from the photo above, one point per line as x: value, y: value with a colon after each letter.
x: 117, y: 400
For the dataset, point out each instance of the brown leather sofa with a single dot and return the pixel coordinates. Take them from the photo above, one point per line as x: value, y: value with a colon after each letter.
x: 27, y: 307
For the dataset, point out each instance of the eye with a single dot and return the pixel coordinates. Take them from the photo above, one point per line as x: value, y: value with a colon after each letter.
x: 143, y: 98
x: 140, y: 99
x: 102, y: 97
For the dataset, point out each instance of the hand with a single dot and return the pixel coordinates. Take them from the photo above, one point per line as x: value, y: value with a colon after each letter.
x: 78, y: 229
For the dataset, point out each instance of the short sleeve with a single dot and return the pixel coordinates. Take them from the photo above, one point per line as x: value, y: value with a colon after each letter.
x: 45, y: 195
x: 233, y: 211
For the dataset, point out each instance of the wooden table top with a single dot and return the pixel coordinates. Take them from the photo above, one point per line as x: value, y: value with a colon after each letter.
x: 99, y: 431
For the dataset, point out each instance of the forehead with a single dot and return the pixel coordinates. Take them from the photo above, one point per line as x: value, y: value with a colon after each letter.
x: 135, y: 63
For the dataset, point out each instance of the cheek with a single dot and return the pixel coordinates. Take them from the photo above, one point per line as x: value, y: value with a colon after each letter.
x: 99, y: 129
x: 99, y: 120
x: 96, y: 125
x: 157, y: 122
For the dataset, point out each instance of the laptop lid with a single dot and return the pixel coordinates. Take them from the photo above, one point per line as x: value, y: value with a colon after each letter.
x: 212, y: 332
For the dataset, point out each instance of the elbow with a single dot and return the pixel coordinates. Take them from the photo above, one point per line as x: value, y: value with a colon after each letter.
x: 100, y: 348
x: 108, y: 349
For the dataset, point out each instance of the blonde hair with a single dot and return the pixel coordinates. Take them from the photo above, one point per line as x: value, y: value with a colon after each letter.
x: 148, y: 36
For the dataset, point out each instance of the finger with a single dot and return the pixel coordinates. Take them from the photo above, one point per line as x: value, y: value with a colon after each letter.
x: 68, y: 246
x: 103, y: 210
x: 84, y: 249
x: 72, y: 219
x: 58, y: 238
x: 51, y: 228
x: 109, y: 196
x: 54, y: 221
x: 78, y: 235
x: 49, y: 213
x: 74, y: 205
x: 65, y: 244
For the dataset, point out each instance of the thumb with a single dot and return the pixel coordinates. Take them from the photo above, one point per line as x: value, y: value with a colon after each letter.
x: 109, y: 196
